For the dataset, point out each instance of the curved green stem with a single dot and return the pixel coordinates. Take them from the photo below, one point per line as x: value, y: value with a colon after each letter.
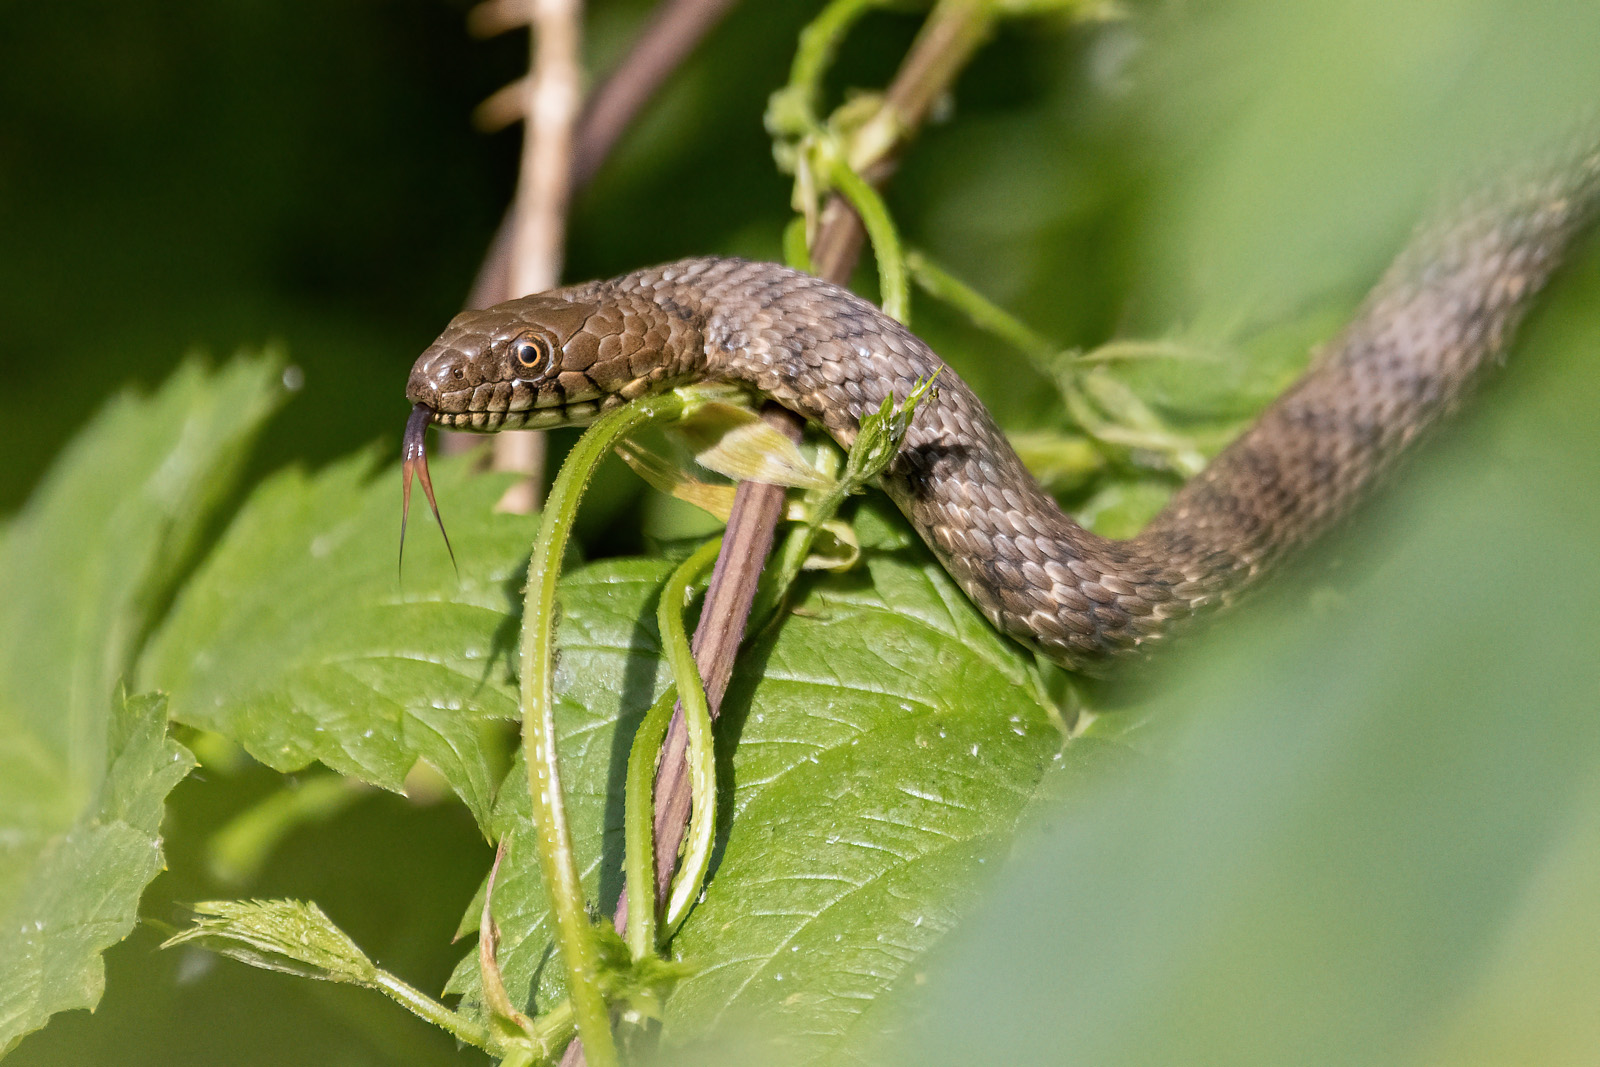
x: 424, y: 1006
x: 638, y: 825
x: 556, y: 860
x: 639, y: 789
x: 983, y: 312
x: 819, y: 43
x: 896, y: 297
x: 697, y: 721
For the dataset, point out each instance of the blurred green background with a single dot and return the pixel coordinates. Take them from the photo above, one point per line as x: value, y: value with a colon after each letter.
x: 1368, y: 807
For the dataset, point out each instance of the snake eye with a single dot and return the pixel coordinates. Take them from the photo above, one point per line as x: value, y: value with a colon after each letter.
x: 530, y: 352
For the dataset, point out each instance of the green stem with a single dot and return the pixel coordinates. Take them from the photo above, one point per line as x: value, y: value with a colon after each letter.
x: 423, y: 1006
x: 556, y: 860
x: 875, y: 219
x: 877, y: 441
x: 792, y: 556
x: 553, y: 1030
x: 638, y: 825
x: 240, y: 849
x: 697, y: 722
x: 984, y: 313
x: 818, y: 44
x: 796, y: 253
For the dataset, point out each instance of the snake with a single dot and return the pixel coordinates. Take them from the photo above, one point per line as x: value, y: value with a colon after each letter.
x: 1441, y: 315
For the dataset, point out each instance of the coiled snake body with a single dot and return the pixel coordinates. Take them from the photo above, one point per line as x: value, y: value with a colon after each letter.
x: 1442, y: 313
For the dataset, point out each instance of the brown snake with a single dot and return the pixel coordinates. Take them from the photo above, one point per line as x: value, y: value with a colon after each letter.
x: 1442, y: 313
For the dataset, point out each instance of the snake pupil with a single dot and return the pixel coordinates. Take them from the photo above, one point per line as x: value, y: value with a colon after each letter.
x: 529, y: 352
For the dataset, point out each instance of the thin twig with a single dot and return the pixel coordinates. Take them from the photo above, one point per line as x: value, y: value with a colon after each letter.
x: 674, y: 29
x: 539, y: 226
x: 491, y: 18
x: 673, y: 32
x: 543, y: 186
x: 953, y: 31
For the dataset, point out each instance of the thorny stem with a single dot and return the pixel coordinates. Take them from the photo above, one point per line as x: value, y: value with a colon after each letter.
x: 544, y: 182
x: 953, y: 30
x: 556, y: 860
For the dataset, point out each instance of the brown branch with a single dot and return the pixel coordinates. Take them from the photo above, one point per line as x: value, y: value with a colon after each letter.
x: 539, y: 225
x: 947, y: 40
x: 674, y: 29
x: 672, y: 33
x: 491, y: 18
x: 745, y: 545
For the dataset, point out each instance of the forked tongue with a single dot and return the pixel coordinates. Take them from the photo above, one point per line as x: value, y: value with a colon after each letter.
x: 414, y: 460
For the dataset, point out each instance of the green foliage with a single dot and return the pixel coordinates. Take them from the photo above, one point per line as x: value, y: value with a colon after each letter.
x: 89, y: 563
x: 296, y: 938
x: 76, y: 855
x: 1353, y: 825
x: 882, y: 759
x: 83, y: 768
x: 279, y: 935
x: 299, y: 640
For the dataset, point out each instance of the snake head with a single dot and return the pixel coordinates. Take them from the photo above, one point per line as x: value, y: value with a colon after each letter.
x: 520, y: 364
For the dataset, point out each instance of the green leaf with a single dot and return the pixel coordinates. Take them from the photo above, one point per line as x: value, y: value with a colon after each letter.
x: 736, y: 442
x: 291, y: 936
x: 297, y: 938
x: 98, y: 546
x: 83, y: 772
x: 879, y: 762
x: 70, y: 891
x: 299, y: 640
x: 884, y: 757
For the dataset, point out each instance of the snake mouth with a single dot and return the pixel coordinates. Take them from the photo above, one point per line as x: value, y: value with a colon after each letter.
x: 549, y: 416
x: 414, y: 461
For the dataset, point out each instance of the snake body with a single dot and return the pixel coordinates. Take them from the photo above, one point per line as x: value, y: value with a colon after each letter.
x: 1441, y: 314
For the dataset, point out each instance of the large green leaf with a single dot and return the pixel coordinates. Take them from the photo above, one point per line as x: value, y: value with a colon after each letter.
x: 299, y: 639
x: 877, y: 751
x: 96, y: 549
x: 82, y: 778
x: 69, y: 893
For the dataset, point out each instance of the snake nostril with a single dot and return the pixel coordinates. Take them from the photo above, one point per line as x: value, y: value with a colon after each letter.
x: 457, y: 373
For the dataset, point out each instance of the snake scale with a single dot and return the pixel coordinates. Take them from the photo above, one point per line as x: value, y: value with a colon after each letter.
x: 1442, y: 313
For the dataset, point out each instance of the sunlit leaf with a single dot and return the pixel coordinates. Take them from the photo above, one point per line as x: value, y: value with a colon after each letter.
x: 68, y: 893
x: 299, y: 639
x: 83, y: 771
x: 879, y: 762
